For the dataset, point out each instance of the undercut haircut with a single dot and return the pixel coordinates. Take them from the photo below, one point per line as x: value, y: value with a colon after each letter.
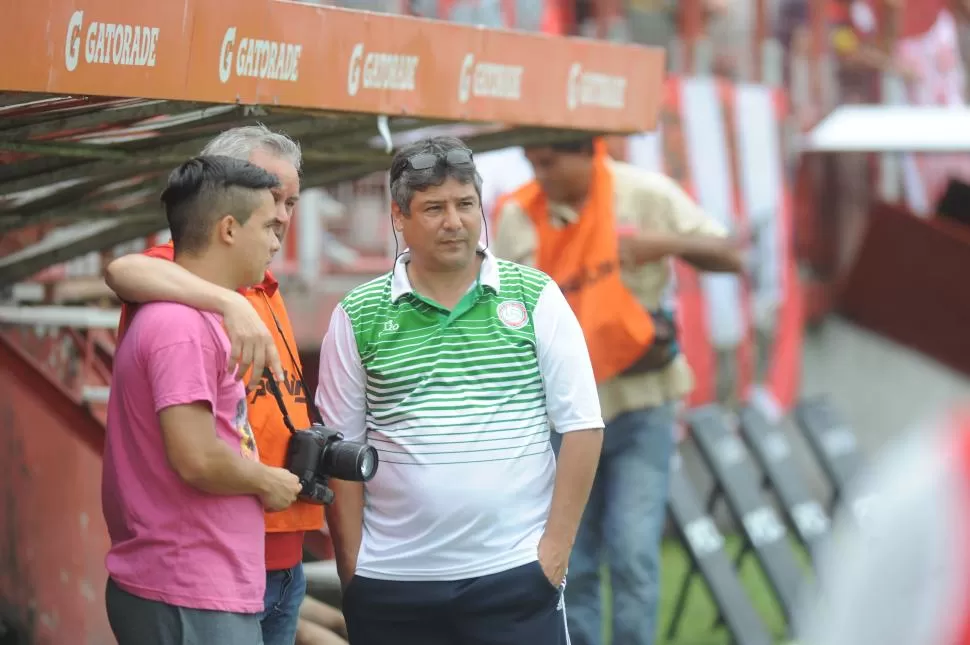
x: 205, y: 189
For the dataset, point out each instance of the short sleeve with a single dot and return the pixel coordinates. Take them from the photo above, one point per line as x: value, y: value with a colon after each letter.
x: 341, y: 394
x: 185, y: 370
x: 572, y: 401
x: 685, y: 216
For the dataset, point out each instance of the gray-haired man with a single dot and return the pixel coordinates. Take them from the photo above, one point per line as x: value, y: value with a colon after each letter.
x: 260, y: 332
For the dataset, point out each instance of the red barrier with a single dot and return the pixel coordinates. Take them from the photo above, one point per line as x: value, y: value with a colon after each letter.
x: 907, y: 284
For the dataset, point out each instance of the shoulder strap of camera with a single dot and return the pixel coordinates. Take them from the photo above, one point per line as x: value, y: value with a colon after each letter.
x: 311, y: 407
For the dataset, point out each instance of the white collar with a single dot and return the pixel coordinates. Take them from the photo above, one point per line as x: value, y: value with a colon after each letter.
x: 401, y: 285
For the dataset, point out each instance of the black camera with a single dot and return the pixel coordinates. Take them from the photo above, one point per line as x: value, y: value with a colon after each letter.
x: 319, y: 453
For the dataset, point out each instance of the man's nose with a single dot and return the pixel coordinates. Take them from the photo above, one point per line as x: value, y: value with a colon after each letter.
x: 283, y: 213
x: 452, y: 220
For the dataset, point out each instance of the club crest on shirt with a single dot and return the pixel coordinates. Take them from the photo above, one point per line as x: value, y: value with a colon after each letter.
x: 512, y: 313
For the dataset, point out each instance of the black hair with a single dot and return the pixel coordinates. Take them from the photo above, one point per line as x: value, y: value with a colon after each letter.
x: 405, y: 180
x: 584, y: 145
x: 203, y: 190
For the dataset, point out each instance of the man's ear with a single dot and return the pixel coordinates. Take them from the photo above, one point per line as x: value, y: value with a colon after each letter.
x: 227, y: 229
x: 397, y: 217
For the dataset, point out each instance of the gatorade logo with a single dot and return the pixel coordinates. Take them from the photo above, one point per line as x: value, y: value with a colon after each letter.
x: 257, y: 58
x: 108, y: 43
x: 489, y: 80
x: 381, y: 71
x: 592, y: 89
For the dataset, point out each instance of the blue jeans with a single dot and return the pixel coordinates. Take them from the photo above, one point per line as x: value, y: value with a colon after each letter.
x: 284, y: 595
x: 623, y: 526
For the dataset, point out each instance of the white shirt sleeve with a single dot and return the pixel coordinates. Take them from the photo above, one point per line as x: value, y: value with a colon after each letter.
x: 341, y: 389
x: 572, y: 401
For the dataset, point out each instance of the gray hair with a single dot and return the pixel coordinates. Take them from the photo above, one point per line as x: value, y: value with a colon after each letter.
x: 240, y: 143
x: 405, y: 180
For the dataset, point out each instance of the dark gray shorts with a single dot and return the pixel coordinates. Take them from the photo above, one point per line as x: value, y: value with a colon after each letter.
x: 137, y: 621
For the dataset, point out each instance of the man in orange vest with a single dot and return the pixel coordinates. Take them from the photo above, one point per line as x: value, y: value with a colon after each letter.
x: 605, y: 231
x: 260, y: 333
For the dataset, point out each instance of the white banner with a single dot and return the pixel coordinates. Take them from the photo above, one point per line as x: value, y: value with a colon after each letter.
x: 760, y: 164
x: 707, y: 154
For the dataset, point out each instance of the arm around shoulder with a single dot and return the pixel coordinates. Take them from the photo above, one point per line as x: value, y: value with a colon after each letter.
x: 140, y: 278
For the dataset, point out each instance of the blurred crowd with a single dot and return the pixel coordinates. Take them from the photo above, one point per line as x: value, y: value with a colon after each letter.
x: 925, y: 43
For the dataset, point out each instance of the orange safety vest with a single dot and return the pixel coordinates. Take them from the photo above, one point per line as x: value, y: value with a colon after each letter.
x: 583, y: 259
x: 272, y: 436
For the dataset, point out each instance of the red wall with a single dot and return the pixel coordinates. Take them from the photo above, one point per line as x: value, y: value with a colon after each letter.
x: 52, y: 535
x: 908, y: 283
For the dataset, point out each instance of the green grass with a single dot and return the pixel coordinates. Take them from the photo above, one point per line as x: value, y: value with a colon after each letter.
x: 697, y: 625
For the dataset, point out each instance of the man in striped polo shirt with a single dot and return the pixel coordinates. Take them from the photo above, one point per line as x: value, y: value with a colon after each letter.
x: 455, y: 366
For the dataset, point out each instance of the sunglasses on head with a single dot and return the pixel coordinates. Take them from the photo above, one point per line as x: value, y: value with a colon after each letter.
x: 428, y: 160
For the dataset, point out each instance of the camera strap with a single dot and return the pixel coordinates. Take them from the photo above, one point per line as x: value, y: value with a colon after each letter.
x: 274, y: 386
x: 274, y: 389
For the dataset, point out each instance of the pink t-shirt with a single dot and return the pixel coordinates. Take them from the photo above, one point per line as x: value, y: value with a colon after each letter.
x: 169, y: 541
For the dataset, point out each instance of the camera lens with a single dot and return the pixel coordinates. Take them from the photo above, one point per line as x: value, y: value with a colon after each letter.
x: 351, y: 461
x: 368, y: 465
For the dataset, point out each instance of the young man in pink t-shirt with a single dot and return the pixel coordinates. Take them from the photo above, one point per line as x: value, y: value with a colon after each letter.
x: 183, y: 491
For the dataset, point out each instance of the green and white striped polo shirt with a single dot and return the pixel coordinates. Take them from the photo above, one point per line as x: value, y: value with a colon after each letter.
x: 459, y: 405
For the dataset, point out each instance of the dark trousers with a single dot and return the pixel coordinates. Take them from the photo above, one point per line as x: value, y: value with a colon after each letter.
x: 514, y: 607
x: 137, y: 621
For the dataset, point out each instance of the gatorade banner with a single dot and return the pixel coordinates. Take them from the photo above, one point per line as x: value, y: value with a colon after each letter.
x: 197, y: 51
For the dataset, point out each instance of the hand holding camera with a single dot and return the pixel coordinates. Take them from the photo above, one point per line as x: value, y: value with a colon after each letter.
x: 317, y: 453
x: 280, y: 489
